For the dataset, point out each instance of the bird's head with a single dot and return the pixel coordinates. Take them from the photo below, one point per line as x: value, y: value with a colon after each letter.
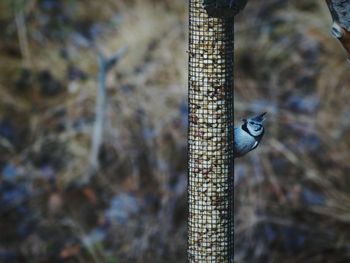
x: 254, y: 124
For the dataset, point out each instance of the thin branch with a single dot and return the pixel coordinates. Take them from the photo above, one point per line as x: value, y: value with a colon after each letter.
x: 22, y: 37
x: 114, y: 59
x: 105, y: 65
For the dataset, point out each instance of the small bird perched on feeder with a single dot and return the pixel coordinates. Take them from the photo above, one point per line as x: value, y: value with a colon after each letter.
x: 248, y: 136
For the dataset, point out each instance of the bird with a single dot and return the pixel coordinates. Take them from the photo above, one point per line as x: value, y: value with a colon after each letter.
x: 248, y: 135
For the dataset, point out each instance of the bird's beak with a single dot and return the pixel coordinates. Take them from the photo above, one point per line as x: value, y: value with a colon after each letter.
x: 260, y: 117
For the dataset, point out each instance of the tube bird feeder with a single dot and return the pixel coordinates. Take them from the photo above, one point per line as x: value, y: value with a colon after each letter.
x: 210, y: 138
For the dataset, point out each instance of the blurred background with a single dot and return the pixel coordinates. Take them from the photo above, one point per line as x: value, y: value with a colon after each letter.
x: 292, y: 193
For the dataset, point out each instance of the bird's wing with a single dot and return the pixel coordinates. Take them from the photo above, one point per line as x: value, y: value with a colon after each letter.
x: 239, y: 151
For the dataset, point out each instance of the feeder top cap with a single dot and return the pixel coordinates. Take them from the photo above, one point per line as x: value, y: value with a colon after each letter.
x: 223, y: 8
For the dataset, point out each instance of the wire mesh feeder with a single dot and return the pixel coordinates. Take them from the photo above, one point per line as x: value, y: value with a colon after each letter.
x: 210, y: 190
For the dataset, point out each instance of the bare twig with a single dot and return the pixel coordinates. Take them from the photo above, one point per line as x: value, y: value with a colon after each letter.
x: 22, y: 37
x: 340, y: 11
x: 105, y: 65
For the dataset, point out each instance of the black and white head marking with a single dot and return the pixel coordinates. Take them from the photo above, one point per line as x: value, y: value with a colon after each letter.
x: 254, y: 126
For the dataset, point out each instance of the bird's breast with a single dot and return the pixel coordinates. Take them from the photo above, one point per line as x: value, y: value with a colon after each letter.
x: 243, y: 142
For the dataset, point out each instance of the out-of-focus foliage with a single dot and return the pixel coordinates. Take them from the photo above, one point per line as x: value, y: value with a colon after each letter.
x: 291, y: 194
x: 134, y: 208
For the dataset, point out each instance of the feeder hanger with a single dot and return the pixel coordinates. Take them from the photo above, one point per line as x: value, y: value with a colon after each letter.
x: 223, y: 8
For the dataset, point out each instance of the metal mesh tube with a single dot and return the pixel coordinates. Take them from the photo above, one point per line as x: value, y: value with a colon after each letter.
x: 210, y: 177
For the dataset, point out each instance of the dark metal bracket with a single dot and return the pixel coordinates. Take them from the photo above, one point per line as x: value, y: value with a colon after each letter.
x: 223, y: 8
